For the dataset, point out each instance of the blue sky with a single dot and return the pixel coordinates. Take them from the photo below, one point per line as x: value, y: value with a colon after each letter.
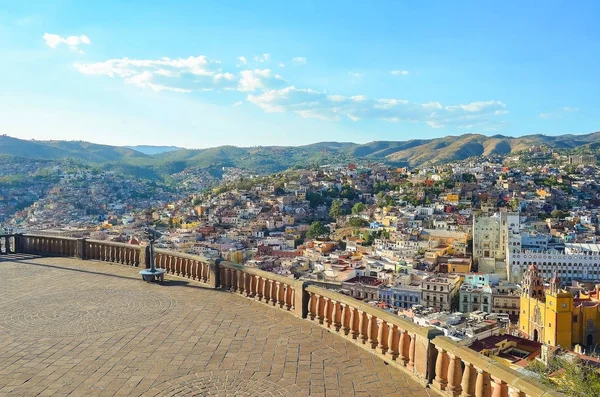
x: 201, y: 74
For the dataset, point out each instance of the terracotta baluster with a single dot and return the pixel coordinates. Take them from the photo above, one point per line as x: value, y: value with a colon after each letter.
x: 482, y: 385
x: 382, y: 333
x: 337, y: 316
x: 500, y: 387
x: 468, y: 380
x: 346, y: 320
x: 411, y: 353
x: 515, y: 392
x: 441, y: 369
x: 454, y: 375
x: 312, y: 306
x: 392, y: 339
x: 355, y: 323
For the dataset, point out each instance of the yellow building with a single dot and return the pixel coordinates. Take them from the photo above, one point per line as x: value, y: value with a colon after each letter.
x: 554, y: 317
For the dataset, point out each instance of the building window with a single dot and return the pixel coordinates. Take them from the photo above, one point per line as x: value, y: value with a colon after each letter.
x: 575, y: 319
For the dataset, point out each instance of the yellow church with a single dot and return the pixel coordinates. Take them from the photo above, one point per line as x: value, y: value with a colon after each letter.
x: 554, y: 316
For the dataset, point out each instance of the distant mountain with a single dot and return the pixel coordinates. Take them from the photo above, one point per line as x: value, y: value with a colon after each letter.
x: 152, y: 150
x: 161, y: 161
x: 54, y: 150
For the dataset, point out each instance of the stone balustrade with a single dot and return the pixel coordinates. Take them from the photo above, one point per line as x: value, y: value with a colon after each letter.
x: 193, y: 267
x: 460, y: 371
x: 8, y: 244
x: 48, y: 245
x: 270, y: 288
x: 108, y: 251
x: 438, y: 361
x: 396, y: 340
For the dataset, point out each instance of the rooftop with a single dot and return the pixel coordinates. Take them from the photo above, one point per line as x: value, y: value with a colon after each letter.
x: 72, y: 327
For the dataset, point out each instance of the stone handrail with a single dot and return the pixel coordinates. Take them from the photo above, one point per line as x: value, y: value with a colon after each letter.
x: 8, y: 244
x: 423, y: 352
x: 263, y: 286
x: 396, y: 340
x: 459, y: 369
x: 193, y: 267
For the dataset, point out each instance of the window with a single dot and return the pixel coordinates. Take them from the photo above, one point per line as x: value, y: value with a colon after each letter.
x: 575, y: 318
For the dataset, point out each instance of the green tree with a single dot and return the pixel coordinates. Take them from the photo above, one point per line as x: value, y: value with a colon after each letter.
x: 576, y: 378
x: 358, y: 222
x: 358, y: 208
x: 336, y: 209
x: 559, y: 214
x: 316, y: 230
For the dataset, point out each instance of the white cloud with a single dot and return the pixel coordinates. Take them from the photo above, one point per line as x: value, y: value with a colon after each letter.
x: 309, y: 103
x: 356, y: 75
x: 179, y: 74
x: 262, y: 58
x: 282, y: 65
x: 238, y: 103
x: 299, y: 60
x: 570, y: 109
x: 401, y: 72
x: 545, y: 116
x: 73, y: 42
x: 264, y: 79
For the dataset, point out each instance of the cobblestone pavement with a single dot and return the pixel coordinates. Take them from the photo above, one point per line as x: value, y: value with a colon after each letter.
x: 84, y: 328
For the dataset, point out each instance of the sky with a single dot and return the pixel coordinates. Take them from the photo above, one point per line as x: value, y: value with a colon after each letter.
x: 245, y: 73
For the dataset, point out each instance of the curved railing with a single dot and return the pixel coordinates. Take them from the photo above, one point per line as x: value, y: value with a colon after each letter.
x: 184, y: 265
x: 459, y: 369
x: 267, y: 287
x: 394, y: 339
x: 439, y: 362
x: 107, y: 251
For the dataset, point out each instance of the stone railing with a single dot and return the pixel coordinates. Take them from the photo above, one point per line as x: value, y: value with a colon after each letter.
x: 263, y: 286
x: 108, y: 251
x: 437, y: 361
x: 396, y: 340
x: 192, y: 267
x: 48, y: 245
x: 460, y: 371
x: 8, y: 244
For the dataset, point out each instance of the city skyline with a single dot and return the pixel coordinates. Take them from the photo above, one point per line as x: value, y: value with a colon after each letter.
x: 245, y: 75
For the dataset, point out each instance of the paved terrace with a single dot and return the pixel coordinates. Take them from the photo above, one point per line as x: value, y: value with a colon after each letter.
x: 89, y: 328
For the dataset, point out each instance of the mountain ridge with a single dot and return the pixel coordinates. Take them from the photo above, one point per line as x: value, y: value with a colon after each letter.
x: 267, y: 159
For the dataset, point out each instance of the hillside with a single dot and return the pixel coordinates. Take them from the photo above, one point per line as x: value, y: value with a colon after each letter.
x: 158, y: 162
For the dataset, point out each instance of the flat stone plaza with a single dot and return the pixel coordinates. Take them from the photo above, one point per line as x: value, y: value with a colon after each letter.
x: 86, y: 328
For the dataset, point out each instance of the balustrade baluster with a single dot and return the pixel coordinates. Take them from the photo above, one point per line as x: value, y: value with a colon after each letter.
x: 362, y: 326
x: 328, y: 312
x: 454, y: 375
x: 278, y: 290
x: 482, y: 385
x: 500, y: 387
x: 513, y: 392
x: 234, y: 280
x: 312, y: 306
x: 395, y: 343
x: 372, y: 330
x: 382, y: 336
x: 354, y: 323
x: 320, y: 309
x: 468, y: 381
x: 411, y: 352
x: 441, y: 369
x: 337, y: 317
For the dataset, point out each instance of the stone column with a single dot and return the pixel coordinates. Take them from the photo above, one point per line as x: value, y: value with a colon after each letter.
x: 328, y: 314
x: 355, y: 323
x: 382, y: 337
x: 468, y: 381
x: 392, y: 336
x: 454, y: 375
x: 441, y: 369
x: 482, y: 385
x: 411, y: 352
x: 500, y: 388
x: 346, y: 318
x: 214, y: 273
x: 81, y: 243
x: 337, y: 316
x: 362, y: 326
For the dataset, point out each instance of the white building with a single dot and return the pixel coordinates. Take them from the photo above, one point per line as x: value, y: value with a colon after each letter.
x: 490, y: 236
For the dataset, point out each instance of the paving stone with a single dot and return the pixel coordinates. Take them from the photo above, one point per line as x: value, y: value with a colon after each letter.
x: 71, y: 327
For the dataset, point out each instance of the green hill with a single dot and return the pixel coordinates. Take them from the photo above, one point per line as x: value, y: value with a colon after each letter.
x: 269, y: 159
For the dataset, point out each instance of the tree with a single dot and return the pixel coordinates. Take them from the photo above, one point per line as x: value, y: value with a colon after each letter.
x: 358, y: 222
x: 358, y: 208
x: 559, y: 214
x: 573, y: 377
x: 336, y: 209
x: 316, y: 230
